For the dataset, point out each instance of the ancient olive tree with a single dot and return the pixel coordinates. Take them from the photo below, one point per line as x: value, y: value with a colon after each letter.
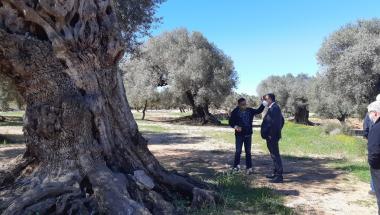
x: 327, y: 100
x: 192, y: 68
x: 291, y: 93
x: 350, y: 68
x: 84, y: 153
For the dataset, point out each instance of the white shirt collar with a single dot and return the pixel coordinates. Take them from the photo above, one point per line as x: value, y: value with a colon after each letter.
x: 271, y: 104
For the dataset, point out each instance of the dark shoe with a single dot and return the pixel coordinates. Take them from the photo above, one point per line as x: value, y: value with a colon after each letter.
x: 277, y: 179
x: 270, y: 176
x: 236, y: 168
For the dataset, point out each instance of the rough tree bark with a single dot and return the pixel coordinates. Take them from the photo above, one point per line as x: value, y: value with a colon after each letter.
x: 201, y: 112
x: 84, y: 152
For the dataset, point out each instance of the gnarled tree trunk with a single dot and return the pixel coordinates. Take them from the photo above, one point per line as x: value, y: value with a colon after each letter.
x: 201, y: 112
x: 84, y: 152
x: 301, y: 114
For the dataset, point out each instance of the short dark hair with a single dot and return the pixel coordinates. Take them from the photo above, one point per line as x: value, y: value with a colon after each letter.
x: 241, y: 100
x: 272, y: 96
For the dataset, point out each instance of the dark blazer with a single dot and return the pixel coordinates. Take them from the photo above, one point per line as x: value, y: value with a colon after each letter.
x: 272, y: 123
x: 235, y: 119
x: 367, y: 124
x: 374, y: 146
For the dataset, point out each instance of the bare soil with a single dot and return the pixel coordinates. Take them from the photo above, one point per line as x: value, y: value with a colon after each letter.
x: 310, y: 186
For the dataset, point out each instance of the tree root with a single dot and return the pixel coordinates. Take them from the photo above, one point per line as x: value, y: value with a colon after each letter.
x: 12, y: 170
x: 97, y: 189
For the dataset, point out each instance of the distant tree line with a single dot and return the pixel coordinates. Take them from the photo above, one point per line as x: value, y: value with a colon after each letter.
x: 348, y: 80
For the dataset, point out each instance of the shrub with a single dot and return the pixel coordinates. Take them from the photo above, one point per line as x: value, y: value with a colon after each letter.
x: 336, y: 128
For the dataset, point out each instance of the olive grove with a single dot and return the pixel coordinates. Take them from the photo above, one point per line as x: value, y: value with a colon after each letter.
x: 84, y: 152
x: 291, y: 94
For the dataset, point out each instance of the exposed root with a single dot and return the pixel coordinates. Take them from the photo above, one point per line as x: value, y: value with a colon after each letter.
x: 205, y: 198
x: 13, y: 169
x: 39, y: 197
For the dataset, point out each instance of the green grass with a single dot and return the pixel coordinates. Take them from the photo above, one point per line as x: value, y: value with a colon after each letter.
x: 13, y: 113
x: 348, y: 153
x: 301, y: 140
x: 359, y: 169
x: 228, y: 137
x: 240, y: 197
x: 13, y: 118
x: 345, y: 152
x: 146, y: 128
x: 224, y: 122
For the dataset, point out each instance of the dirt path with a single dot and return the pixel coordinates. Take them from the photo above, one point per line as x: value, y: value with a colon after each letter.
x: 310, y: 186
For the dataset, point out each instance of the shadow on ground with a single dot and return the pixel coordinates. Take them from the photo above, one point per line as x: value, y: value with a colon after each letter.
x: 9, y: 153
x: 11, y: 139
x: 12, y: 121
x: 206, y: 164
x: 171, y: 138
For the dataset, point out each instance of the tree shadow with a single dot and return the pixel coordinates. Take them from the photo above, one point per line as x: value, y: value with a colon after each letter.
x: 297, y: 170
x: 155, y: 138
x: 12, y: 139
x: 12, y: 121
x: 10, y: 153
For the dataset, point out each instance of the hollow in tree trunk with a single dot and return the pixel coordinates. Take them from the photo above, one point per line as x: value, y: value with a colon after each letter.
x: 84, y: 153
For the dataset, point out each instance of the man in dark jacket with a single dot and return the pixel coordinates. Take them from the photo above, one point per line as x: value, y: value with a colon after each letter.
x: 241, y: 120
x: 367, y: 125
x: 271, y: 132
x: 374, y: 148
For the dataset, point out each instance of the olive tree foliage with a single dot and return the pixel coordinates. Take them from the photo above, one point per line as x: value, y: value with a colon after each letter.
x: 350, y: 69
x: 195, y: 71
x: 292, y: 94
x: 136, y: 19
x: 327, y: 101
x: 141, y: 92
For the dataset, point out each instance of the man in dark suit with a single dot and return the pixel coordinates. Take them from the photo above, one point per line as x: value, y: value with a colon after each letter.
x: 374, y: 148
x: 241, y: 120
x: 271, y: 131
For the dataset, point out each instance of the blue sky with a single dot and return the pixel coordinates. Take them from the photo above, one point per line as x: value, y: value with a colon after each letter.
x: 265, y: 37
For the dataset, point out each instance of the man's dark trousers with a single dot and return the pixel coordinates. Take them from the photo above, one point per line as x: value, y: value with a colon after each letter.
x: 274, y: 151
x: 245, y: 140
x: 375, y: 174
